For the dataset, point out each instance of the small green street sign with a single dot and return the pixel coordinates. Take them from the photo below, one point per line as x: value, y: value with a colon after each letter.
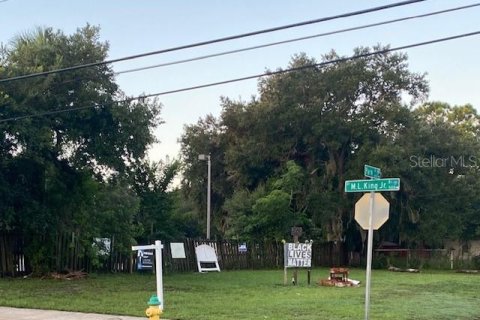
x: 390, y: 184
x: 372, y: 172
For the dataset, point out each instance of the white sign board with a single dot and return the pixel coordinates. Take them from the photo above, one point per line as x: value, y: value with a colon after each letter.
x: 298, y: 255
x: 178, y: 250
x: 206, y: 255
x: 242, y: 248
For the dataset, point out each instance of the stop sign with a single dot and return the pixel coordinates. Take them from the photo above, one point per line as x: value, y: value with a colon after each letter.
x: 380, y: 211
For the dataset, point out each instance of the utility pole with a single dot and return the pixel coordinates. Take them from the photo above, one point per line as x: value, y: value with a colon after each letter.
x: 209, y: 187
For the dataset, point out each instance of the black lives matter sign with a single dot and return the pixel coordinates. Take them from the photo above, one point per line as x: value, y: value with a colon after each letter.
x: 298, y: 255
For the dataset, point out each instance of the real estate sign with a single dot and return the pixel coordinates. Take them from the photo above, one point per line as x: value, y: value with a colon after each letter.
x: 145, y: 259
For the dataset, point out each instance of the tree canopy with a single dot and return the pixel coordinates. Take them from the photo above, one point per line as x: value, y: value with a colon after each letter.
x: 74, y: 153
x: 73, y: 146
x: 282, y: 158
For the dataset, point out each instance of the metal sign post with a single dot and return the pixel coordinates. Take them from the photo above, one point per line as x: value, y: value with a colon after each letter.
x: 296, y: 232
x: 158, y: 246
x: 369, y: 255
x: 374, y: 218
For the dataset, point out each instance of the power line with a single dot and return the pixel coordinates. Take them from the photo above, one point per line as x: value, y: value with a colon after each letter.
x: 316, y: 65
x: 203, y: 43
x: 297, y: 39
x: 198, y: 58
x: 48, y: 113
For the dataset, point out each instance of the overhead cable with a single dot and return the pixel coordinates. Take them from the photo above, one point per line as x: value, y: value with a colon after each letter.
x: 363, y: 55
x: 203, y: 43
x: 213, y: 55
x: 316, y: 65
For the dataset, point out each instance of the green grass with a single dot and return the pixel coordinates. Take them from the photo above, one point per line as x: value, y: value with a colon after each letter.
x: 256, y: 295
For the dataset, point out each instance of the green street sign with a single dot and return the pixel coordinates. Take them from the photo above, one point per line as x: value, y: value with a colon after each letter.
x: 390, y: 184
x: 372, y: 172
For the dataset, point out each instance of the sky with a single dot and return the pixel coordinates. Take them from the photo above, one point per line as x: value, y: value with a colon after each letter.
x: 137, y: 26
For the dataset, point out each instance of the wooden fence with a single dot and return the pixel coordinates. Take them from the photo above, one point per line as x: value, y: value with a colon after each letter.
x: 68, y: 255
x: 12, y: 258
x: 258, y: 255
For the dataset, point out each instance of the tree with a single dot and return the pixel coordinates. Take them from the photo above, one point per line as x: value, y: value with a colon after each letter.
x: 321, y: 118
x: 103, y: 133
x: 205, y: 137
x: 271, y: 210
x: 435, y: 157
x: 446, y: 154
x: 286, y: 154
x: 116, y: 207
x: 150, y: 182
x: 60, y: 132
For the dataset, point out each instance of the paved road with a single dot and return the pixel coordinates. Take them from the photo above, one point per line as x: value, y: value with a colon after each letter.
x: 34, y: 314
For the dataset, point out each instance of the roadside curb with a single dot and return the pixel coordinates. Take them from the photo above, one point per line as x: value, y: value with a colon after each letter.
x: 7, y: 313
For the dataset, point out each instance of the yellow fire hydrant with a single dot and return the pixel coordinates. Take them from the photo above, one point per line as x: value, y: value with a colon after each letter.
x: 154, y: 311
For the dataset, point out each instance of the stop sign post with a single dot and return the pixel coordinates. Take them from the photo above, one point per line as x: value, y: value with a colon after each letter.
x: 371, y: 212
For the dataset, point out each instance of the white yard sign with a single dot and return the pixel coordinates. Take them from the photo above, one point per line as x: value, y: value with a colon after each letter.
x: 298, y: 255
x: 178, y: 250
x: 206, y: 255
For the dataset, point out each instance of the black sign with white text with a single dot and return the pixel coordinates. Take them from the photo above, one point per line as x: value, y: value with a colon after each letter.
x: 145, y: 259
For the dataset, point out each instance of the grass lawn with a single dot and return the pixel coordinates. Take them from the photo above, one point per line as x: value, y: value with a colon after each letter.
x: 257, y: 295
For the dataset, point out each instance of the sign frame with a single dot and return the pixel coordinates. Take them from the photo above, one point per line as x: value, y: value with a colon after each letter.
x: 158, y: 246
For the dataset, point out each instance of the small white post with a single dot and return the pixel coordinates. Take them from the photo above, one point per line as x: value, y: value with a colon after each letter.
x: 284, y: 262
x: 451, y: 259
x: 369, y: 255
x: 159, y: 272
x: 209, y: 187
x: 209, y: 196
